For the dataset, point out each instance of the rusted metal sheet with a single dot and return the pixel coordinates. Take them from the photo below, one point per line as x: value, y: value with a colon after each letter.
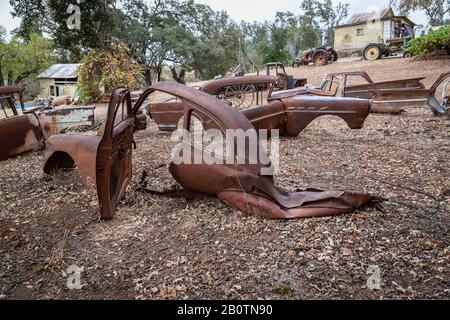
x: 20, y: 134
x: 104, y: 160
x: 291, y: 113
x: 166, y: 114
x: 8, y: 96
x: 302, y: 110
x: 28, y: 132
x: 389, y: 96
x: 54, y: 121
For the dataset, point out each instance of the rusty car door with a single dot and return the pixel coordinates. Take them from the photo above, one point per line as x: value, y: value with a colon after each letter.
x: 114, y: 154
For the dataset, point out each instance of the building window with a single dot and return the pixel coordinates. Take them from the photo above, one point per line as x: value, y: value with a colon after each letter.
x: 360, y: 32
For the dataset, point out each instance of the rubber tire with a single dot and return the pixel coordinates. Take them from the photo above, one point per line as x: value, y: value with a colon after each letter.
x: 295, y: 65
x: 317, y: 54
x: 373, y: 46
x: 335, y: 55
x: 407, y: 55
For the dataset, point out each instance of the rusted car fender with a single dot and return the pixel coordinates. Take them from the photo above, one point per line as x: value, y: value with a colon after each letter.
x: 440, y: 107
x: 20, y: 134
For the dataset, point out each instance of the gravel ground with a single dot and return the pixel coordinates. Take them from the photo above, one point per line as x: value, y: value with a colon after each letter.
x: 162, y: 248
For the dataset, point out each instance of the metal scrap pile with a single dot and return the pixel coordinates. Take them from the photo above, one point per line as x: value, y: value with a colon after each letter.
x: 105, y: 160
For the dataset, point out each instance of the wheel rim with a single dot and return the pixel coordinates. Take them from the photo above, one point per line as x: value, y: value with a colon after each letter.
x: 320, y: 59
x: 372, y: 53
x: 240, y: 96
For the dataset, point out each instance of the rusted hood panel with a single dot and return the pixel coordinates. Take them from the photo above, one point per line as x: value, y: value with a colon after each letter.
x: 311, y: 102
x: 282, y: 94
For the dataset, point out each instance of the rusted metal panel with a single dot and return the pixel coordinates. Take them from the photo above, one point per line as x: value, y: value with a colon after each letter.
x: 303, y: 109
x: 389, y: 96
x: 271, y: 116
x: 104, y: 160
x: 166, y: 114
x: 8, y: 94
x: 20, y: 134
x: 291, y: 113
x: 28, y: 132
x: 54, y: 121
x: 394, y: 100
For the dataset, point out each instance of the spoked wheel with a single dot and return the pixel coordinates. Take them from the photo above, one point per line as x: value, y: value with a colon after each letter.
x: 240, y: 96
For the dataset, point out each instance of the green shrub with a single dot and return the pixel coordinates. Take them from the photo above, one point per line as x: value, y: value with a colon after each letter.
x: 431, y: 43
x: 105, y: 70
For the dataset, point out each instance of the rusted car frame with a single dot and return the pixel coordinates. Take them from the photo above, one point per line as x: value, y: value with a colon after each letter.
x: 104, y: 161
x: 27, y: 130
x: 389, y: 96
x: 8, y: 97
x: 290, y: 113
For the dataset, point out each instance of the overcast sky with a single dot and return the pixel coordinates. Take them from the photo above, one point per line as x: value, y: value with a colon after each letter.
x: 248, y: 10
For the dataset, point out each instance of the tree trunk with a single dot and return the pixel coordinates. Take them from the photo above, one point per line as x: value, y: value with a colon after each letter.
x: 159, y: 70
x: 2, y: 81
x: 148, y: 76
x: 10, y: 79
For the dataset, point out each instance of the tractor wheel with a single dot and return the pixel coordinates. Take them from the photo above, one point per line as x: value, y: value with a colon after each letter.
x: 373, y: 52
x: 335, y: 55
x: 320, y: 57
x: 407, y: 55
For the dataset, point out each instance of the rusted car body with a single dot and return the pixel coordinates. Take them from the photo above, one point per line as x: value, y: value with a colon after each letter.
x: 388, y: 96
x: 27, y: 130
x: 8, y: 97
x: 287, y: 112
x: 104, y: 160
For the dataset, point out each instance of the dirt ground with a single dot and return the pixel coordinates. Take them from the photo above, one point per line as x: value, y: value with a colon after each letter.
x: 162, y: 248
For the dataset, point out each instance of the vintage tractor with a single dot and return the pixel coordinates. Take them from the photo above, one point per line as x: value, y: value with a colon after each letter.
x: 392, y: 47
x: 319, y: 56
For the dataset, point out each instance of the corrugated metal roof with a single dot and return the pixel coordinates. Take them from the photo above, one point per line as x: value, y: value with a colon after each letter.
x: 367, y: 16
x: 61, y: 71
